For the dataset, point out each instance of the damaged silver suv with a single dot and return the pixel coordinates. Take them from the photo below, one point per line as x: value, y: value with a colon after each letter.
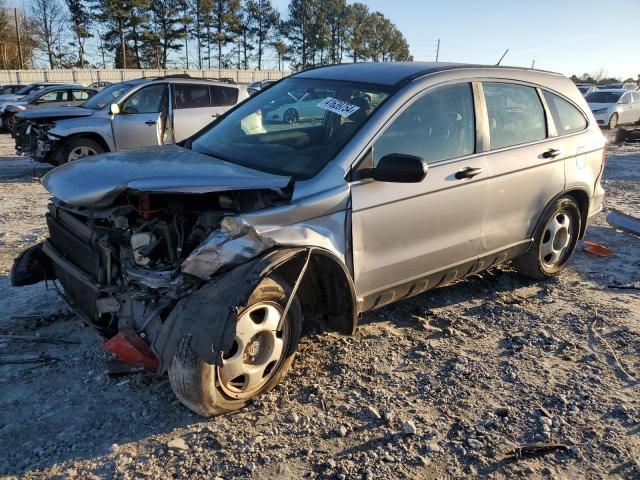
x: 204, y: 259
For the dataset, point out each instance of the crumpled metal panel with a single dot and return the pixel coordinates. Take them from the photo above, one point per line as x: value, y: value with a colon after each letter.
x: 233, y: 244
x: 96, y: 181
x: 213, y: 333
x: 318, y: 221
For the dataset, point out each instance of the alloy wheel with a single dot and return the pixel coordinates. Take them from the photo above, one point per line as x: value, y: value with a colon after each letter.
x: 80, y: 152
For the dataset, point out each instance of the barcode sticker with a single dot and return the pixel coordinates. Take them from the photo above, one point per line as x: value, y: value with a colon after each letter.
x: 338, y: 106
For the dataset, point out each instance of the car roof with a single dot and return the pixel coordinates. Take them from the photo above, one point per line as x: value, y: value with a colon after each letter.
x: 392, y: 73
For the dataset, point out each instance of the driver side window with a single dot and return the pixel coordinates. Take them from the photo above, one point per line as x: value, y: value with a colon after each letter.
x: 145, y: 100
x: 438, y: 126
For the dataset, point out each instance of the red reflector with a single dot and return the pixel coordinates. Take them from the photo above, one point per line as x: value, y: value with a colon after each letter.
x: 128, y: 347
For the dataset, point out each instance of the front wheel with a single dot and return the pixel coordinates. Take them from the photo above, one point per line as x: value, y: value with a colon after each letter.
x: 613, y: 121
x: 257, y: 361
x: 553, y: 242
x: 290, y: 116
x: 78, y: 148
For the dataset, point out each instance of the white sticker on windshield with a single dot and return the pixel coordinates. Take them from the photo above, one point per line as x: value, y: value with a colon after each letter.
x: 338, y: 106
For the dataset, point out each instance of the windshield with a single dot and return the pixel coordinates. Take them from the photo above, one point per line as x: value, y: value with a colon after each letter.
x: 583, y: 89
x: 106, y: 97
x: 294, y: 128
x: 603, y: 97
x: 26, y: 89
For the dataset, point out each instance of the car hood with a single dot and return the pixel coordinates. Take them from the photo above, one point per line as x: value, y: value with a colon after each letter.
x: 97, y: 181
x: 57, y: 112
x: 598, y: 106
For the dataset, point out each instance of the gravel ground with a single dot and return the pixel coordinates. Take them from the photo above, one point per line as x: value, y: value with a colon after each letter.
x: 448, y: 383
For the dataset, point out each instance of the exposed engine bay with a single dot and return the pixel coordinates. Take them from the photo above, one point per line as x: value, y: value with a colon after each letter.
x: 123, y: 267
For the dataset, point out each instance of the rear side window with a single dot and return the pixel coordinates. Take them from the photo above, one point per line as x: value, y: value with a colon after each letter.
x: 567, y: 118
x: 81, y: 94
x: 438, y: 126
x: 635, y: 97
x: 223, y: 96
x: 191, y: 96
x: 516, y: 114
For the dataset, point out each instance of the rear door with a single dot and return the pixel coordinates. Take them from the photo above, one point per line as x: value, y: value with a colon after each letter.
x: 524, y: 164
x: 626, y: 111
x: 142, y: 117
x: 192, y: 109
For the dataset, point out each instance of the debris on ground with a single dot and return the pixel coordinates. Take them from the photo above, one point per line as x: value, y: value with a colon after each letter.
x: 624, y: 221
x: 597, y: 249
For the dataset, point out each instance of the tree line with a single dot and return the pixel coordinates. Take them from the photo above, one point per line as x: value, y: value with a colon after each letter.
x: 194, y: 34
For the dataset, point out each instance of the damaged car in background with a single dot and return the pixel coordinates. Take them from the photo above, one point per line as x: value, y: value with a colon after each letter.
x: 124, y: 116
x: 204, y: 259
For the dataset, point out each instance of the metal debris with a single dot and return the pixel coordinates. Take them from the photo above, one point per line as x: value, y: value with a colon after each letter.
x: 597, y: 249
x: 623, y: 221
x: 536, y: 450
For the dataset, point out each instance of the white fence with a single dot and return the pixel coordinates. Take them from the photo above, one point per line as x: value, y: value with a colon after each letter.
x: 87, y: 76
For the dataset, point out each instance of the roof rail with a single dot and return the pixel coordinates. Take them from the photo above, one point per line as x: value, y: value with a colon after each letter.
x: 175, y: 75
x: 222, y: 79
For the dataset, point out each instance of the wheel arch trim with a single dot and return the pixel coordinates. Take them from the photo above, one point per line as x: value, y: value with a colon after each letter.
x: 223, y: 296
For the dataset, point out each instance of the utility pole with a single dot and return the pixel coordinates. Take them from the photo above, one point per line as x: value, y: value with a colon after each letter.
x: 15, y: 14
x: 533, y: 64
x: 438, y: 50
x: 502, y: 57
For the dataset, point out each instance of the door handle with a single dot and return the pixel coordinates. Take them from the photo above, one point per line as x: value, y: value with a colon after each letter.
x: 150, y: 122
x: 215, y: 115
x: 468, y: 172
x: 551, y: 153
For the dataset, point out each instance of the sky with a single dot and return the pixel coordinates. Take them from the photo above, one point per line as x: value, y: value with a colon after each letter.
x: 567, y: 36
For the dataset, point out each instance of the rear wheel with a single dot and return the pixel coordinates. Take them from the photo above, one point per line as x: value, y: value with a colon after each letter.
x: 613, y: 121
x: 553, y: 243
x: 258, y: 360
x: 78, y: 148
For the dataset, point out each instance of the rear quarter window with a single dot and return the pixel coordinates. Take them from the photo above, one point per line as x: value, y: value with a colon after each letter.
x: 516, y: 115
x: 566, y: 117
x: 223, y: 96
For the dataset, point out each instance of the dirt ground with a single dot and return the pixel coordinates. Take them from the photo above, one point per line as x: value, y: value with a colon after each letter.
x: 446, y: 384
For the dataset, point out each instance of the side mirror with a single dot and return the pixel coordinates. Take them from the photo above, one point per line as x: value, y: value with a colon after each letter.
x: 400, y: 168
x: 114, y: 109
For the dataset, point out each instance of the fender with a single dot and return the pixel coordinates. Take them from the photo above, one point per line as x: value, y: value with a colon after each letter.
x: 538, y: 225
x: 208, y: 314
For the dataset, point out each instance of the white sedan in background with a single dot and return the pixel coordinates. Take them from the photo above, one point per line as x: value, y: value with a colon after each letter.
x: 614, y: 107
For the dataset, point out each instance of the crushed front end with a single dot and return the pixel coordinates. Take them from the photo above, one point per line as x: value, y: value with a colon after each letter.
x: 124, y: 267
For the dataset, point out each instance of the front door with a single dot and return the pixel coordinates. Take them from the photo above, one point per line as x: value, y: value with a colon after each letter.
x: 403, y: 233
x: 142, y: 117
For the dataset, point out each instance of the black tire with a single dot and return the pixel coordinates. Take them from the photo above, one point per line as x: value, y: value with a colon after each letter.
x: 77, y: 145
x: 197, y: 384
x: 613, y: 121
x: 537, y: 263
x: 290, y: 116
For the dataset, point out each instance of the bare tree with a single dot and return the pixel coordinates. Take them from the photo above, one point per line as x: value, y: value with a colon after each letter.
x: 47, y: 26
